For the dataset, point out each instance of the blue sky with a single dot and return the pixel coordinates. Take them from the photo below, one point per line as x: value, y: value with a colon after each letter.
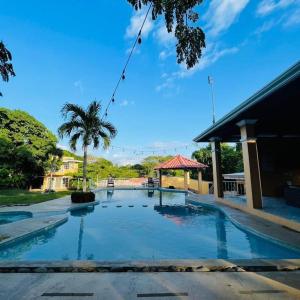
x: 74, y: 50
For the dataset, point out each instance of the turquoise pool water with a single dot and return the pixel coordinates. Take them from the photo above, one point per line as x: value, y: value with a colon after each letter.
x: 9, y: 217
x: 141, y: 224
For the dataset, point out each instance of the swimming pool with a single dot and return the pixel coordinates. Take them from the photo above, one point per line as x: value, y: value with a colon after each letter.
x: 10, y: 217
x: 145, y: 224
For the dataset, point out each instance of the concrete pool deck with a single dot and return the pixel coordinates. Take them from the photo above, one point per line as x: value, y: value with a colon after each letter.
x: 60, y: 205
x: 158, y: 286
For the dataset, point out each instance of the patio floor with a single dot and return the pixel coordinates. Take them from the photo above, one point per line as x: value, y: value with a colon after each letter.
x: 271, y: 205
x: 164, y: 286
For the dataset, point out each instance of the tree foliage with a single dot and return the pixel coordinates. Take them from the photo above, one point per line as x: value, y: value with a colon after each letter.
x: 231, y: 159
x: 180, y: 17
x: 6, y: 67
x: 25, y: 148
x: 87, y: 126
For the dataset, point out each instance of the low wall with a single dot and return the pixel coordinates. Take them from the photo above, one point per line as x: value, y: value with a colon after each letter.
x: 178, y: 183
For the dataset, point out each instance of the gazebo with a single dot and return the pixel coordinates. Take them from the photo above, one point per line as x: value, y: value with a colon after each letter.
x: 182, y: 163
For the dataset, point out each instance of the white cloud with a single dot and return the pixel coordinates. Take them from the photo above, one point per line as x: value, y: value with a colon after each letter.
x: 136, y: 22
x: 266, y: 7
x: 78, y: 84
x: 62, y: 147
x: 212, y: 54
x: 125, y: 103
x: 168, y: 83
x: 167, y: 146
x: 164, y: 37
x: 293, y: 19
x: 266, y: 26
x: 222, y: 14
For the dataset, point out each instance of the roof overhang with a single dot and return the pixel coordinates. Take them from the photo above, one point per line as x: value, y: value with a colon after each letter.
x: 275, y: 108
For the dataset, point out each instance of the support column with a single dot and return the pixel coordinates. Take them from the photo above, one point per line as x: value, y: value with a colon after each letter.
x: 199, y: 182
x: 160, y: 178
x: 217, y: 172
x: 186, y: 179
x: 251, y: 164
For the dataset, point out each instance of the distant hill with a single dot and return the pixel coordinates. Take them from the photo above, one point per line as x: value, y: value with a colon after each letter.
x: 71, y: 154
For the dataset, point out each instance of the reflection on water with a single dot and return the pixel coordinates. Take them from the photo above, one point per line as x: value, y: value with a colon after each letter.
x: 221, y: 236
x: 109, y: 194
x: 150, y: 193
x: 16, y: 252
x: 82, y: 212
x: 145, y: 224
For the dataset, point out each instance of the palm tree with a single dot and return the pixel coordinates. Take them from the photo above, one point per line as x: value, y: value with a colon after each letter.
x: 88, y: 126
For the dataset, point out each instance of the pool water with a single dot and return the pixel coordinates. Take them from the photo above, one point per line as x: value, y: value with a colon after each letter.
x: 10, y: 217
x: 150, y: 225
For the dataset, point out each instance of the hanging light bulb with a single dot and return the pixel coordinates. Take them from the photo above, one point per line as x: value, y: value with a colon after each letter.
x: 123, y: 75
x: 113, y: 99
x: 140, y: 37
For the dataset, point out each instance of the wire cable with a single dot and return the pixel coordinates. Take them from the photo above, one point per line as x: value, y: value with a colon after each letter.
x: 122, y: 77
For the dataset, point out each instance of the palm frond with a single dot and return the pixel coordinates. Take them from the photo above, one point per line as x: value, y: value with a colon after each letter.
x: 73, y: 109
x: 67, y: 128
x: 94, y: 109
x: 73, y: 140
x: 86, y: 125
x: 110, y: 128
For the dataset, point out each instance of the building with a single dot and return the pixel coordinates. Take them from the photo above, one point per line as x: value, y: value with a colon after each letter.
x: 61, y: 178
x: 268, y: 127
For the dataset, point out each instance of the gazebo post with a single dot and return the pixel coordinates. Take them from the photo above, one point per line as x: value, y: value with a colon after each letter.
x: 199, y: 181
x: 181, y: 163
x: 186, y: 179
x: 160, y: 178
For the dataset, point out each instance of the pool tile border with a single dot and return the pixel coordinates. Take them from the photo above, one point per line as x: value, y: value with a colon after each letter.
x: 215, y: 265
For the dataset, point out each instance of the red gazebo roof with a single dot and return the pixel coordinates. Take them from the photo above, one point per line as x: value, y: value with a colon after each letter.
x: 180, y: 162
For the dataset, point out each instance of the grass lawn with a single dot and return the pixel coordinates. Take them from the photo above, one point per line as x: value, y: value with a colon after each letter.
x: 13, y: 196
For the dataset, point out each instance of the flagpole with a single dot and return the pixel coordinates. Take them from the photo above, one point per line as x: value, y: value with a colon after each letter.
x: 211, y: 83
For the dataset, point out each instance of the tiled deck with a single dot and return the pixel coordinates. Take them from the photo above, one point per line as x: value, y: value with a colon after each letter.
x: 274, y: 206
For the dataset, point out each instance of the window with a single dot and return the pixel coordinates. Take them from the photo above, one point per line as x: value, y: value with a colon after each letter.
x: 66, y: 166
x: 66, y: 182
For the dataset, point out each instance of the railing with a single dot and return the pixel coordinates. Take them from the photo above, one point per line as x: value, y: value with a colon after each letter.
x: 233, y: 188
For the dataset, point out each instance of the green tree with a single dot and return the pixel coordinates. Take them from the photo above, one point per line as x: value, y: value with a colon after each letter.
x: 25, y: 148
x: 231, y: 159
x: 180, y: 17
x: 88, y: 126
x: 6, y: 67
x: 150, y: 162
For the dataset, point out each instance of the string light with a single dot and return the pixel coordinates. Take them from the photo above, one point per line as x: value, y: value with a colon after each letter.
x: 138, y: 40
x: 154, y: 150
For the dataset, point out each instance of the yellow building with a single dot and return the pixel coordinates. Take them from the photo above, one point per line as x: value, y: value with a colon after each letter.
x: 61, y: 178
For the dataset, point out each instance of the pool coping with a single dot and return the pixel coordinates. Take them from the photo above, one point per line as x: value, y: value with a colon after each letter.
x: 201, y: 265
x: 230, y: 212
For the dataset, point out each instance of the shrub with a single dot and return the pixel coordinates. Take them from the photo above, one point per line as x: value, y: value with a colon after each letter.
x: 81, y: 197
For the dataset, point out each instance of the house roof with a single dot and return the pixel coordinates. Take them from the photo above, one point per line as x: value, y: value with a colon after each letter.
x: 234, y: 176
x: 275, y: 107
x: 180, y: 162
